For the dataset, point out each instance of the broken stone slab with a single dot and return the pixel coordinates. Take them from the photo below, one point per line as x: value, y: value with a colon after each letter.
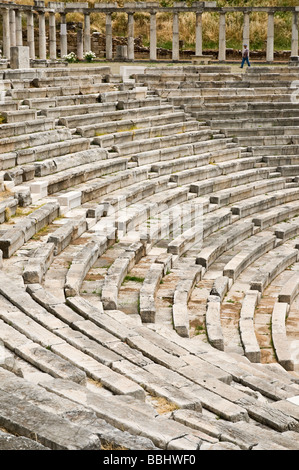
x: 50, y: 430
x: 220, y: 287
x: 289, y: 290
x: 11, y: 442
x: 38, y: 264
x: 279, y: 336
x: 181, y: 297
x: 147, y: 292
x: 160, y: 430
x: 213, y: 324
x: 80, y: 415
x: 246, y: 326
x: 81, y: 264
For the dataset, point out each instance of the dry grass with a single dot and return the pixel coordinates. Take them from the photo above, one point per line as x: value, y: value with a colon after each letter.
x: 162, y: 405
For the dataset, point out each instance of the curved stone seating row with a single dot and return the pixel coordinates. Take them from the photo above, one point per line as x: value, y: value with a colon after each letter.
x: 243, y: 191
x: 113, y: 139
x: 74, y: 121
x: 279, y: 337
x: 108, y: 127
x: 278, y: 214
x: 275, y: 262
x: 26, y: 127
x: 211, y: 171
x: 256, y: 246
x: 151, y: 144
x: 290, y: 289
x: 12, y: 143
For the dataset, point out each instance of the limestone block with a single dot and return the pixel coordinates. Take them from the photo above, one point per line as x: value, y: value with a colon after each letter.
x: 19, y: 57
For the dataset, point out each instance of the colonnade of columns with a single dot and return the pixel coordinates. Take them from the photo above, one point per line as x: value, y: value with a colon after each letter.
x: 12, y: 33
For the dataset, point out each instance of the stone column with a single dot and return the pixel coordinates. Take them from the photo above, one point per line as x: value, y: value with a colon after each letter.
x: 131, y: 36
x: 52, y: 36
x: 12, y: 28
x: 198, y: 34
x: 42, y: 35
x: 175, y: 37
x: 19, y: 34
x: 80, y: 47
x: 294, y: 51
x: 30, y: 34
x: 222, y: 38
x: 270, y: 38
x: 87, y: 42
x: 153, y: 37
x: 108, y: 37
x: 63, y: 35
x: 246, y: 29
x: 6, y: 33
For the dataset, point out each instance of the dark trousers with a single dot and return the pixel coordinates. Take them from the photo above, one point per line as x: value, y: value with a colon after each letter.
x: 245, y: 59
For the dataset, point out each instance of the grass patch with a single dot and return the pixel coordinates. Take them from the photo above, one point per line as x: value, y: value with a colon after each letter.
x: 134, y: 279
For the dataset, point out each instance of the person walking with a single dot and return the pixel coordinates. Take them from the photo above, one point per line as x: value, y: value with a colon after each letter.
x: 245, y: 56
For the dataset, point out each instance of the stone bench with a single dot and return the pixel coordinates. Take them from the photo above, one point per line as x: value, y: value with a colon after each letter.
x: 269, y: 114
x: 201, y: 230
x: 106, y: 184
x: 276, y: 262
x: 279, y: 336
x: 147, y: 293
x: 211, y: 171
x: 219, y: 148
x: 222, y: 241
x: 139, y: 146
x: 11, y: 240
x: 220, y: 183
x: 26, y: 127
x: 18, y: 142
x: 132, y: 122
x: 274, y: 216
x: 88, y: 119
x: 286, y: 230
x: 112, y: 139
x: 69, y: 177
x: 254, y: 248
x: 77, y: 109
x: 264, y: 202
x: 72, y: 157
x: 249, y: 190
x: 246, y: 326
x: 290, y: 289
x: 38, y: 264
